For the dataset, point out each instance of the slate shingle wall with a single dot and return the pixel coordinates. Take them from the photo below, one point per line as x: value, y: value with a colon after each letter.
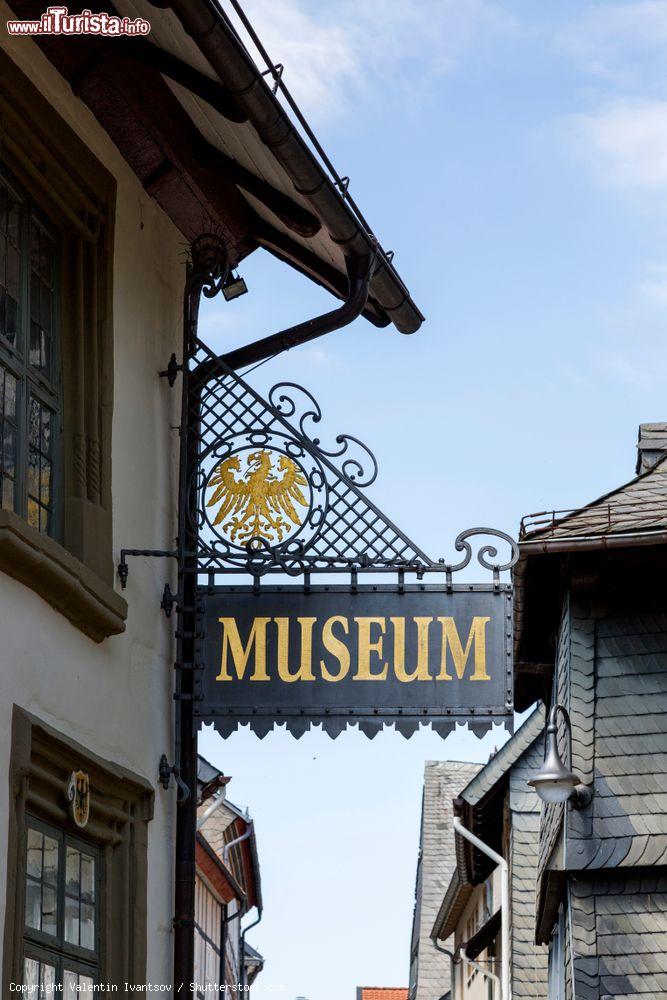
x: 552, y: 815
x: 627, y: 823
x: 443, y: 781
x: 620, y: 936
x: 529, y: 961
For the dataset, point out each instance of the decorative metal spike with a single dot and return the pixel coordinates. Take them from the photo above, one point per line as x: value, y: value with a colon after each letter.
x: 444, y: 728
x: 480, y: 729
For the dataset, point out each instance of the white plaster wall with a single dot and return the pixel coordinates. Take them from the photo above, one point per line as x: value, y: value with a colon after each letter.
x: 115, y: 698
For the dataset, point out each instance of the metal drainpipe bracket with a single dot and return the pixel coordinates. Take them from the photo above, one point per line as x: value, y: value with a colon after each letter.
x: 165, y: 771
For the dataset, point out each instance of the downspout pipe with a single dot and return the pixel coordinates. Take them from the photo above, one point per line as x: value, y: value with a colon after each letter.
x: 238, y: 840
x: 245, y: 930
x: 480, y: 968
x: 211, y: 808
x: 453, y: 959
x: 463, y: 831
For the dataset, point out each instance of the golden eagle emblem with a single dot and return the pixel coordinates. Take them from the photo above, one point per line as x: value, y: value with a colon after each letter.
x: 260, y: 504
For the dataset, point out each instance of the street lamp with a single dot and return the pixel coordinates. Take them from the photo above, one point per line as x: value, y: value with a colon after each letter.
x: 233, y: 286
x: 553, y: 782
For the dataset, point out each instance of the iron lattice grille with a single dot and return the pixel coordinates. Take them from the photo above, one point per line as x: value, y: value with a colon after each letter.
x: 340, y: 530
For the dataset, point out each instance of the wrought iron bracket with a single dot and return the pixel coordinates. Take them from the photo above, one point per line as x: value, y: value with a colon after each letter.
x: 124, y: 569
x: 165, y: 771
x: 169, y: 599
x: 171, y: 371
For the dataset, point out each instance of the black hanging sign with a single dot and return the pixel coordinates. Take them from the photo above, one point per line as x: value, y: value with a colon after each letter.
x: 338, y: 655
x: 264, y: 497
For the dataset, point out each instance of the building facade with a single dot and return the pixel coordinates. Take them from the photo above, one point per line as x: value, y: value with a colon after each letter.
x: 591, y: 636
x: 116, y: 154
x: 443, y: 781
x: 498, y: 807
x: 228, y: 887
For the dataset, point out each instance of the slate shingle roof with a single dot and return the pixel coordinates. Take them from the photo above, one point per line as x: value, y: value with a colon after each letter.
x: 638, y: 506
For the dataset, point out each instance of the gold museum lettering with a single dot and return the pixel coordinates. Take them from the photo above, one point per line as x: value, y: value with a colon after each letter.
x: 361, y: 648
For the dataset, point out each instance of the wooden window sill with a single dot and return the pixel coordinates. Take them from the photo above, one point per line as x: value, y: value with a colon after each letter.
x: 50, y: 571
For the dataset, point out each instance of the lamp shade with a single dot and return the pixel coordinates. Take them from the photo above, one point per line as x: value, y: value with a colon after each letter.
x: 553, y: 782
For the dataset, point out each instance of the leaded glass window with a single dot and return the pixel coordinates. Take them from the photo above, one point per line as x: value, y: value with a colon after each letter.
x: 62, y: 907
x: 30, y: 384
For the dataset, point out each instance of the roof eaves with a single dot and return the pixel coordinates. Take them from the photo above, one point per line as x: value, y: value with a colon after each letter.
x: 498, y: 767
x: 454, y: 901
x: 216, y: 38
x: 538, y: 533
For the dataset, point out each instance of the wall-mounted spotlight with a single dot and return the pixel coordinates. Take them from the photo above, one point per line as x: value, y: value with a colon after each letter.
x: 554, y: 782
x: 233, y: 286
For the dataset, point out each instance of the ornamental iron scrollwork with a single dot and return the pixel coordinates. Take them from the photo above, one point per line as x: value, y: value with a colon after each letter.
x: 271, y: 497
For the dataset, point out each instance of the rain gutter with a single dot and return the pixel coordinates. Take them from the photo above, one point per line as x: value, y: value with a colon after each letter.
x: 584, y: 543
x: 215, y: 37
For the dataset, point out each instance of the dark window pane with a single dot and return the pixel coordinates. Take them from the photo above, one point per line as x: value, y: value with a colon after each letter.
x: 49, y: 911
x: 72, y: 872
x: 34, y: 423
x: 11, y: 319
x: 34, y: 859
x: 10, y: 395
x: 9, y: 450
x: 50, y: 873
x: 87, y: 878
x: 45, y: 483
x: 35, y: 344
x: 46, y: 431
x: 33, y: 475
x: 13, y: 219
x: 2, y: 390
x: 87, y: 926
x: 34, y: 297
x: 45, y: 305
x: 13, y: 271
x: 33, y: 904
x: 72, y: 930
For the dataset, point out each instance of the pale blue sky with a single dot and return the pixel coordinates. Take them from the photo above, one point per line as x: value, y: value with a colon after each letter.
x: 514, y: 155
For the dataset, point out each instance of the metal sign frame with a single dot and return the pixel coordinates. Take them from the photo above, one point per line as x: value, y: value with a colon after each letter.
x: 334, y: 720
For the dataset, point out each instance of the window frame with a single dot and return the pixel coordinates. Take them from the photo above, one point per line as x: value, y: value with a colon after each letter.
x: 55, y: 949
x: 30, y: 382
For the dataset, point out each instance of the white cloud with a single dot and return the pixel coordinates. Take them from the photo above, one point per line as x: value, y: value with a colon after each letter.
x: 343, y: 51
x: 622, y: 42
x: 626, y: 143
